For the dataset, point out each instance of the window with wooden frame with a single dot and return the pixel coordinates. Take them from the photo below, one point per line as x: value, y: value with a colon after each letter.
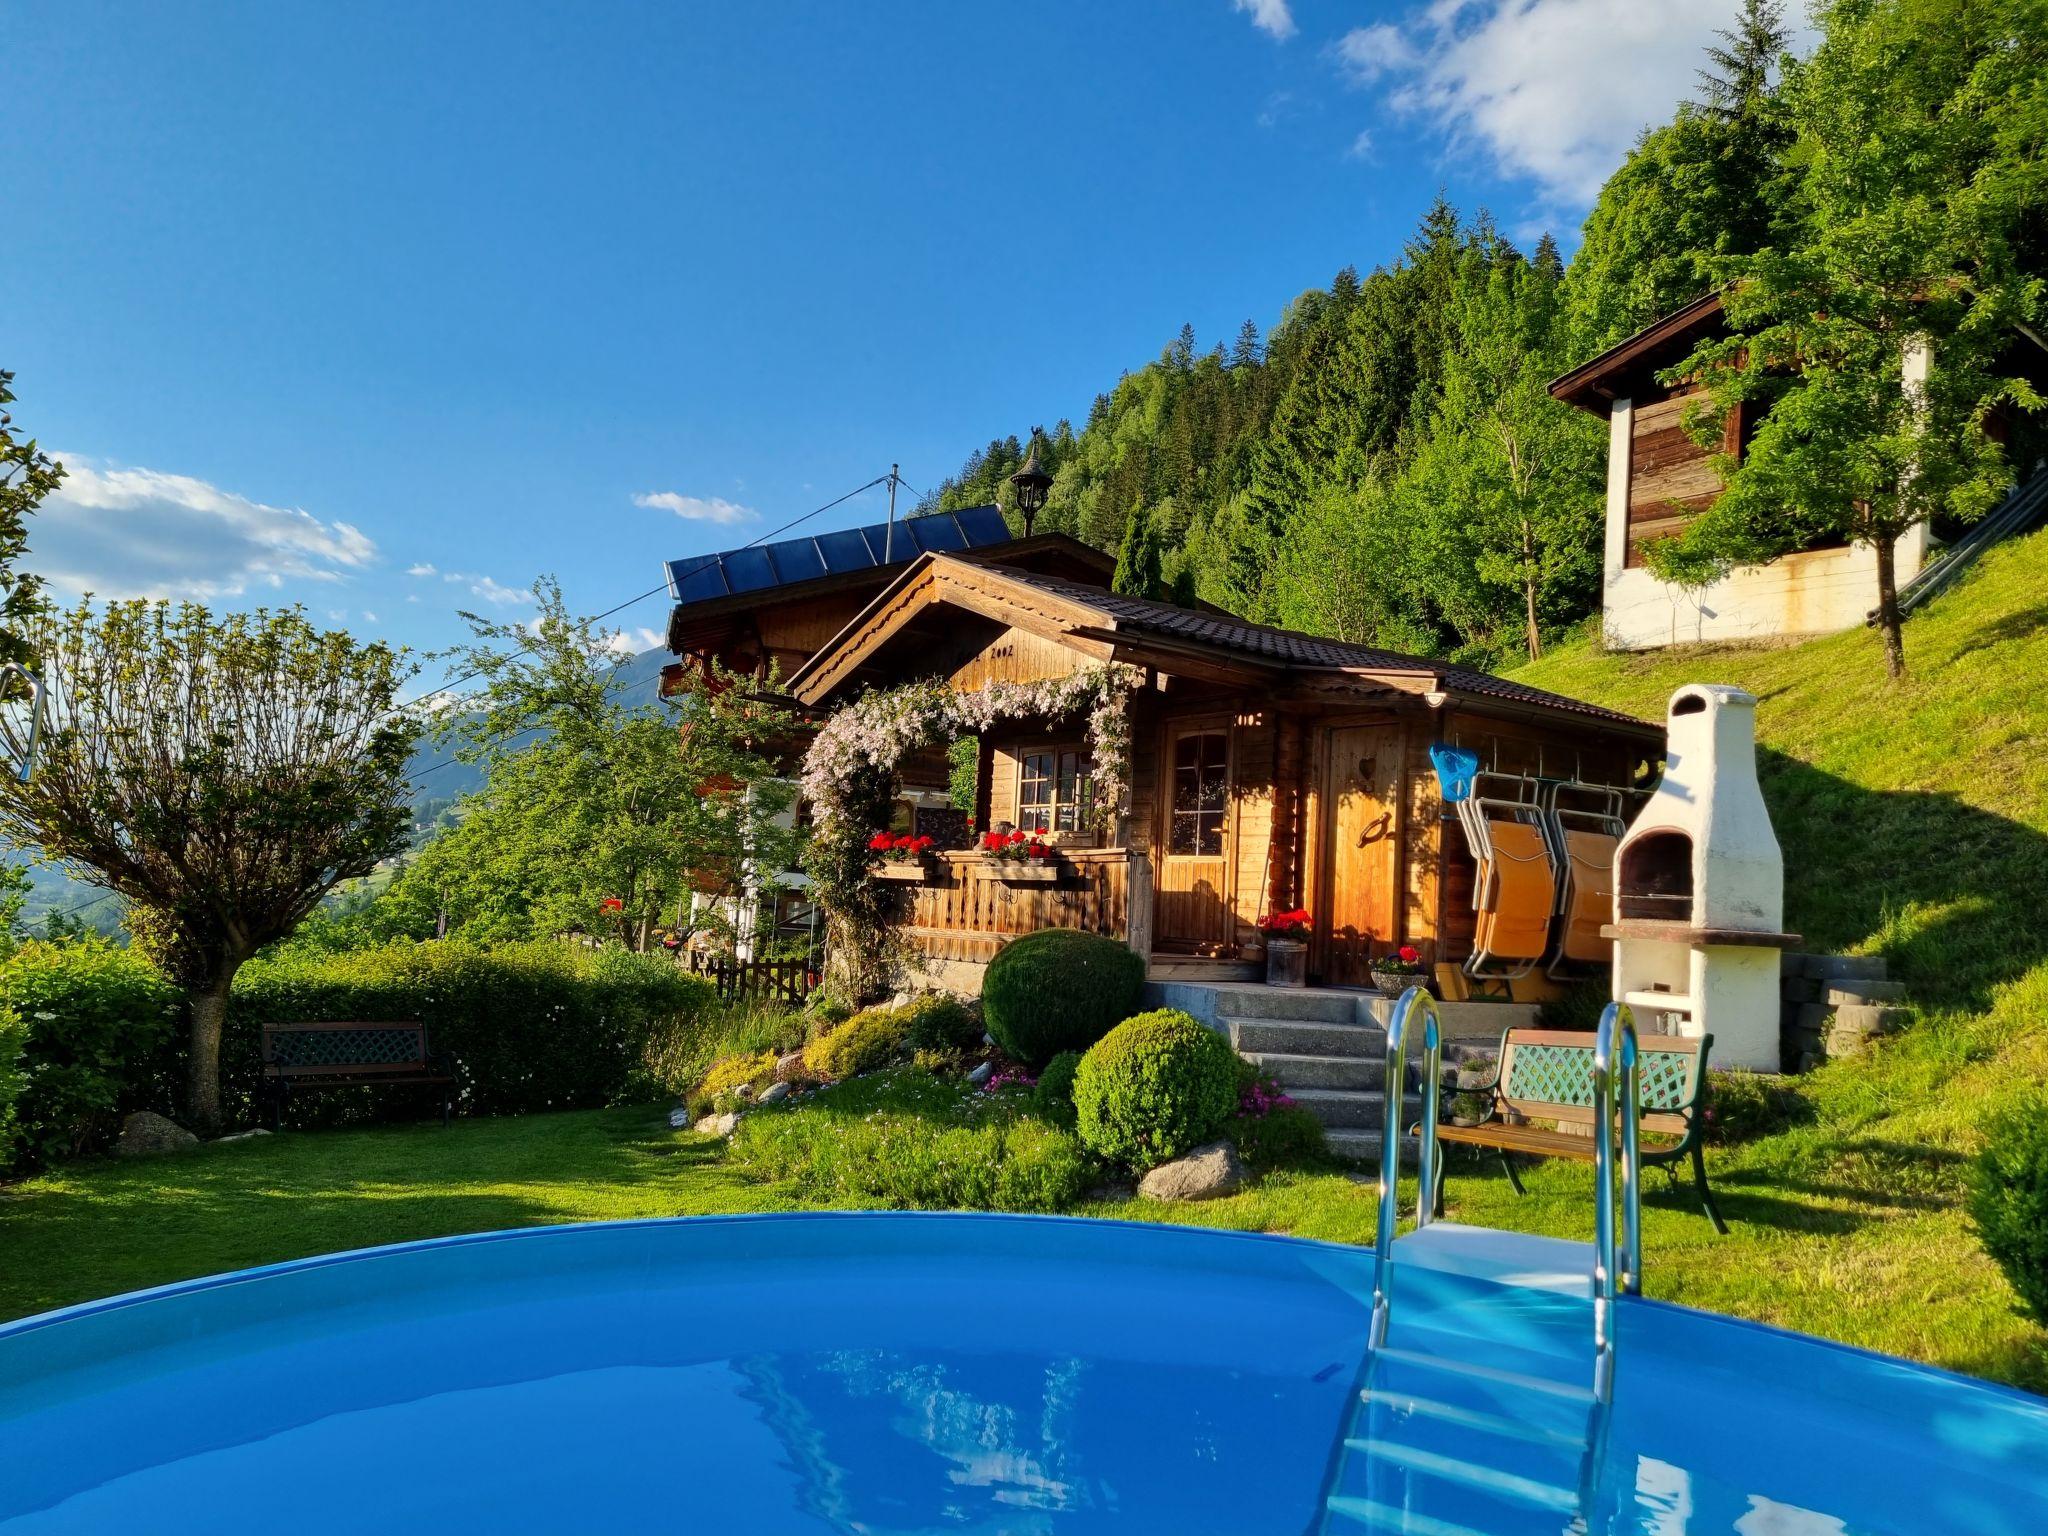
x: 1201, y: 794
x: 1055, y: 789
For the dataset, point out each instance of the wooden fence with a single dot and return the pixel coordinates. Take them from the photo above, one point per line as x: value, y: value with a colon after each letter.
x: 783, y: 981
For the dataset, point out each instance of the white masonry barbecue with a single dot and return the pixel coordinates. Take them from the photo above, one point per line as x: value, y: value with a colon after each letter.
x: 1699, y: 888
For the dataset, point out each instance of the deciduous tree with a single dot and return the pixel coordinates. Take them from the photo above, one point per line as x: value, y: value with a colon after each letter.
x: 224, y: 773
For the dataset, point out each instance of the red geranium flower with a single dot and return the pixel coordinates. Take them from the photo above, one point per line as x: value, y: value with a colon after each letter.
x: 1409, y: 953
x: 611, y: 904
x: 881, y: 842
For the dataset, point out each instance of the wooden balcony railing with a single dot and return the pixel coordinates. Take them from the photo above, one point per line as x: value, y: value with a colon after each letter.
x: 962, y: 915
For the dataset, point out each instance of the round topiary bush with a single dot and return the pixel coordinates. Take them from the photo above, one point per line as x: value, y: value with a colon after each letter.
x: 2009, y: 1197
x: 1058, y: 990
x: 1154, y: 1087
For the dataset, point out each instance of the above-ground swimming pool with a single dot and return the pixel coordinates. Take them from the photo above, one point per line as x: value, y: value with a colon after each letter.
x: 910, y: 1373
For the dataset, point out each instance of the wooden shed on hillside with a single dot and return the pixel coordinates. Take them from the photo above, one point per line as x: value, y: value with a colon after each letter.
x: 1269, y: 770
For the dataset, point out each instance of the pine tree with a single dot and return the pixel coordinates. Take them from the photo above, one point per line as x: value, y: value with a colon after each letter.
x: 1246, y: 353
x: 1138, y: 560
x: 1180, y: 353
x: 1740, y: 78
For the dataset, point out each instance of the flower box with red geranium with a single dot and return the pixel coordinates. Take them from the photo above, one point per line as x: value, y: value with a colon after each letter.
x: 1286, y: 947
x: 1395, y: 973
x: 902, y: 857
x: 1020, y: 856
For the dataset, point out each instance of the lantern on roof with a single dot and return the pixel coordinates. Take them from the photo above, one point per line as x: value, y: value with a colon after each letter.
x: 1032, y: 482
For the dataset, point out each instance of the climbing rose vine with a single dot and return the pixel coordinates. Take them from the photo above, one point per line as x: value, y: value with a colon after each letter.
x: 879, y: 729
x: 849, y: 777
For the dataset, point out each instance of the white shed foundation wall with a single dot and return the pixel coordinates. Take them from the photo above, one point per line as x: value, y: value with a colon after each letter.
x: 1819, y: 592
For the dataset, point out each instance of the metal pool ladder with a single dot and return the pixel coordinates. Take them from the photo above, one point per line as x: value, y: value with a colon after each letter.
x: 1441, y: 1443
x: 1617, y: 1257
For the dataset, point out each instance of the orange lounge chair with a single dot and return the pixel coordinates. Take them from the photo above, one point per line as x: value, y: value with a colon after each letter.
x: 1518, y: 888
x: 1592, y: 895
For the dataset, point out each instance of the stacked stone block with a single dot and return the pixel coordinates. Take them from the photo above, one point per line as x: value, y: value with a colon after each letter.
x: 1834, y: 1006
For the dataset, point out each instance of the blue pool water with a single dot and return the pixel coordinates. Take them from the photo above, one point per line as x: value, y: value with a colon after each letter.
x: 965, y: 1374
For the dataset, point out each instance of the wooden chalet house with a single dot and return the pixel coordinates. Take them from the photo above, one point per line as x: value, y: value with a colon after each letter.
x: 1268, y: 770
x: 1659, y: 479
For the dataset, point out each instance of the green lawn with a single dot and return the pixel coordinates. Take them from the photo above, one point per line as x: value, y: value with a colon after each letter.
x: 1891, y: 1267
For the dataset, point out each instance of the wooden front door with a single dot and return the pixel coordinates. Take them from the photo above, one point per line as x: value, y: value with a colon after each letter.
x: 1361, y: 907
x: 1192, y: 912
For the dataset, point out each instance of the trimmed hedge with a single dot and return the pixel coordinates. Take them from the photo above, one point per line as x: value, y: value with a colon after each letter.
x: 101, y: 1034
x: 2009, y: 1197
x: 1058, y: 990
x: 13, y: 1035
x: 1153, y: 1088
x: 530, y: 1027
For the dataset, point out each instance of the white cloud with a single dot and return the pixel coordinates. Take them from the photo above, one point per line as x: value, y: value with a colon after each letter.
x: 1361, y: 147
x: 489, y: 589
x: 632, y: 641
x: 422, y: 569
x: 1271, y: 17
x: 696, y: 509
x: 1365, y: 53
x: 493, y: 592
x: 369, y: 617
x: 145, y: 533
x: 1554, y: 91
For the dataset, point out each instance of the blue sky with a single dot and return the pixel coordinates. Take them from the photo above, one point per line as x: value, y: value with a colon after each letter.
x: 387, y: 308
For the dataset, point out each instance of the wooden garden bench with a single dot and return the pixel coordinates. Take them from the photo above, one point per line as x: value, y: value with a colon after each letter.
x: 349, y: 1054
x: 1547, y: 1074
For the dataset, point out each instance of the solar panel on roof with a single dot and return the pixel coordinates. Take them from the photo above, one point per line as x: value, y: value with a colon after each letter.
x: 700, y: 578
x: 846, y: 550
x: 795, y: 560
x: 982, y: 526
x: 748, y: 570
x: 939, y: 533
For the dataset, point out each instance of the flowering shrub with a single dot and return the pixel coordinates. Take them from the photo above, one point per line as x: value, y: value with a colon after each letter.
x: 1258, y: 1095
x: 1405, y: 961
x: 1286, y: 924
x: 1009, y: 1077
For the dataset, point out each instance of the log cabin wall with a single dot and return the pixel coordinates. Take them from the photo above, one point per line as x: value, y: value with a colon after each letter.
x: 1671, y: 478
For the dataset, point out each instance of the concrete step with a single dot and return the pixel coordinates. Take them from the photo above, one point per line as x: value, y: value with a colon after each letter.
x: 1476, y: 1023
x: 1833, y: 968
x: 1305, y: 1037
x: 1295, y: 1072
x: 1316, y: 1003
x: 1350, y: 1108
x: 1354, y: 1146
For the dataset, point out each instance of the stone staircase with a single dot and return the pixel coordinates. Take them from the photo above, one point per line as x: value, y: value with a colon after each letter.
x: 1317, y: 1050
x: 1327, y: 1048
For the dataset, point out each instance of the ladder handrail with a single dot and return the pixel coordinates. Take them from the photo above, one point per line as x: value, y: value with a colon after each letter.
x: 1393, y: 1090
x: 1617, y: 1267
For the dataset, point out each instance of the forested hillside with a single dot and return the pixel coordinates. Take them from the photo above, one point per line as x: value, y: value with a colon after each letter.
x: 1385, y: 464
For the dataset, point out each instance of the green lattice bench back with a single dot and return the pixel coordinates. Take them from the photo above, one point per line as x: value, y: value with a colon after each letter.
x: 339, y: 1053
x: 1547, y: 1074
x: 350, y: 1047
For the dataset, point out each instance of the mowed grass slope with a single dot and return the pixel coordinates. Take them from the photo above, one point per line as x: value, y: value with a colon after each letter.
x: 1914, y: 823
